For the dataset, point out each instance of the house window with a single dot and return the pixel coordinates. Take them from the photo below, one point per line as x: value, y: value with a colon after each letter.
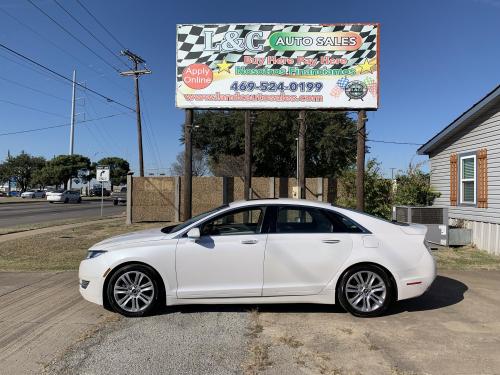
x: 468, y: 179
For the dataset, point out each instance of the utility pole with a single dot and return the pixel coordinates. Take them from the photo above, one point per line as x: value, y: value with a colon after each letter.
x: 360, y: 160
x: 136, y: 73
x: 72, y: 128
x: 188, y: 164
x: 302, y: 155
x: 392, y: 173
x: 249, y: 117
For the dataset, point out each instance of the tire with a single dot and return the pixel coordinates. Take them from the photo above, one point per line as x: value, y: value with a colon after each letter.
x: 365, y: 291
x: 66, y: 200
x: 125, y: 298
x: 79, y: 200
x: 115, y: 202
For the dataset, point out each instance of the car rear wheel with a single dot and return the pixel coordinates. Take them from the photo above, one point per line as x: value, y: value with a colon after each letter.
x: 133, y: 290
x: 365, y: 291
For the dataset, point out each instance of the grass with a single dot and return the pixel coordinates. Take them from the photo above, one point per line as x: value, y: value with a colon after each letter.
x: 466, y: 258
x: 46, y: 224
x: 60, y: 250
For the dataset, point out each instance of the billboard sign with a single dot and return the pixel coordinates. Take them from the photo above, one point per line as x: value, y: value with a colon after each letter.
x: 277, y: 66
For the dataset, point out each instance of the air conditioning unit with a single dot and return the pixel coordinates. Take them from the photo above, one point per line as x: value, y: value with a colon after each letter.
x: 434, y: 218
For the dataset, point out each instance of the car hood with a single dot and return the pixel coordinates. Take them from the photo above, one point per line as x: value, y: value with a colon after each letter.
x: 117, y: 242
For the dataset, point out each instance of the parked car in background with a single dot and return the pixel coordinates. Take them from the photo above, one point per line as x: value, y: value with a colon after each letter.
x: 64, y: 196
x: 262, y: 251
x: 97, y: 191
x: 119, y: 197
x: 33, y: 194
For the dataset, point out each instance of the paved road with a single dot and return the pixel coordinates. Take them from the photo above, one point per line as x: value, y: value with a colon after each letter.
x: 12, y: 214
x: 453, y: 329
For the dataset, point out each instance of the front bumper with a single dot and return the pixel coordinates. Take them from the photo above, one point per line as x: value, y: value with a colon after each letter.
x: 91, y: 280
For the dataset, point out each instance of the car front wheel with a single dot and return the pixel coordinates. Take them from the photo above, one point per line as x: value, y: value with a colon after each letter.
x: 133, y: 290
x: 365, y: 291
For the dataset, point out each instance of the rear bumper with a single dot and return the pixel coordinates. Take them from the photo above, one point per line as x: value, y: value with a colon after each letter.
x: 55, y: 199
x: 416, y: 281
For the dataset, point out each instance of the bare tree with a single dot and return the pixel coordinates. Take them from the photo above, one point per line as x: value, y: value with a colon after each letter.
x: 200, y: 164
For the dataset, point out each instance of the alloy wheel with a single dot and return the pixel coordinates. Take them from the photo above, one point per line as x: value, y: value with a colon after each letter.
x: 365, y: 291
x: 134, y: 291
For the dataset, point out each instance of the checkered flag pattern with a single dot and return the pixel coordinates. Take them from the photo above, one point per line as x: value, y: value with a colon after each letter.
x: 191, y: 42
x: 371, y: 85
x: 343, y: 82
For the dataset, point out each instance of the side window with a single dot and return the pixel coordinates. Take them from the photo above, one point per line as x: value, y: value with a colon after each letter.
x: 302, y: 220
x: 242, y: 221
x: 341, y: 224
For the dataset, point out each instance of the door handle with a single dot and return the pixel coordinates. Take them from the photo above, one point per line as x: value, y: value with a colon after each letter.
x: 330, y: 241
x: 249, y: 242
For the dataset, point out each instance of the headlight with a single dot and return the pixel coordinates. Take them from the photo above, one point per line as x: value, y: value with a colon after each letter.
x: 94, y: 253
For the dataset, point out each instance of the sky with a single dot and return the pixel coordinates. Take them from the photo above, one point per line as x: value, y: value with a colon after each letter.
x: 437, y: 58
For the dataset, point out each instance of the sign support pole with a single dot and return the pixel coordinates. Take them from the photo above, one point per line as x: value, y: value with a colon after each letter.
x: 248, y: 154
x: 188, y: 163
x: 302, y: 155
x: 360, y: 160
x: 102, y: 196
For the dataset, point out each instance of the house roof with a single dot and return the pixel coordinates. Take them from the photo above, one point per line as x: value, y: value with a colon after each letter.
x: 462, y: 121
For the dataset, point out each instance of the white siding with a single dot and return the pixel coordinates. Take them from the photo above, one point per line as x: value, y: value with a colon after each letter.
x: 484, y: 134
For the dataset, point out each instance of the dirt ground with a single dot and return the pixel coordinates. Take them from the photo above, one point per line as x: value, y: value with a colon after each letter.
x: 453, y: 329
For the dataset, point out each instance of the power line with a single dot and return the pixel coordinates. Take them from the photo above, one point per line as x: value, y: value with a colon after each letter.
x: 33, y: 89
x: 73, y: 36
x: 63, y: 77
x: 100, y: 24
x: 394, y: 142
x: 91, y: 33
x: 60, y: 126
x: 31, y: 108
x: 84, y: 64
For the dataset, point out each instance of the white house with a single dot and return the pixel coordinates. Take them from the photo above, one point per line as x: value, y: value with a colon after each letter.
x: 465, y: 169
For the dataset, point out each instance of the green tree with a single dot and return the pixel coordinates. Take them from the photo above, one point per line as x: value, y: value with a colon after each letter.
x: 64, y: 167
x: 21, y: 169
x: 330, y: 141
x: 118, y: 169
x: 413, y: 188
x: 378, y: 190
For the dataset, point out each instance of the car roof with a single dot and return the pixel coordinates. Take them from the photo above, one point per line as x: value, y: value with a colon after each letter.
x: 283, y: 201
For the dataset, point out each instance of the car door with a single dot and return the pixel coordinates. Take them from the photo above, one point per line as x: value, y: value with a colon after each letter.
x: 305, y: 248
x: 227, y: 260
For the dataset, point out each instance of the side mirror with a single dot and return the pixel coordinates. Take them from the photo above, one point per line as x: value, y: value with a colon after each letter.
x: 194, y: 234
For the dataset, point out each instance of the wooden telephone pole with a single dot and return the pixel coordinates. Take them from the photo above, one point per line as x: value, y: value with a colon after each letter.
x: 249, y: 119
x: 301, y: 175
x: 188, y: 164
x: 360, y: 161
x: 136, y: 73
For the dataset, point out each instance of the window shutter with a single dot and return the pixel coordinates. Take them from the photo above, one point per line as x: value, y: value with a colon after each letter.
x: 482, y: 178
x: 453, y: 179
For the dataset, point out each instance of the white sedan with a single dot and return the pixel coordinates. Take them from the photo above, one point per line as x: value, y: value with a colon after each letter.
x: 262, y: 251
x: 64, y: 196
x: 32, y: 194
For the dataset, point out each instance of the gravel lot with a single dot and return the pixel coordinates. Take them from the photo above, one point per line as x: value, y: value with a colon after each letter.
x: 453, y: 329
x: 183, y: 341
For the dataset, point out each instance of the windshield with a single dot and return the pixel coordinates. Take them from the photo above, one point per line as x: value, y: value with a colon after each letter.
x: 192, y: 220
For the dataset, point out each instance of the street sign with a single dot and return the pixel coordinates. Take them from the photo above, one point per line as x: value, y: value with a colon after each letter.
x: 102, y: 173
x: 260, y: 66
